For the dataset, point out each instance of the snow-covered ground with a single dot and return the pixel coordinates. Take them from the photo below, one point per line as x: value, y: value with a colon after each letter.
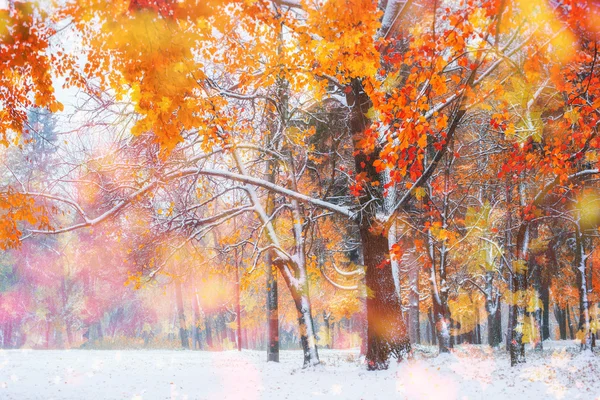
x: 471, y: 372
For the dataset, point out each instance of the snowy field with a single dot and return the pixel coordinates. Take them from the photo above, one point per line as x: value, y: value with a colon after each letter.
x: 471, y: 372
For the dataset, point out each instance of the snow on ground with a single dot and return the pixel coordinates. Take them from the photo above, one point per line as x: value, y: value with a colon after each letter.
x: 470, y: 372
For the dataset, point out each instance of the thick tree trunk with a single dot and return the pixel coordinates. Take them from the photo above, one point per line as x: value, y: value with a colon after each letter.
x: 518, y: 288
x: 183, y: 334
x: 442, y: 319
x: 386, y: 330
x: 561, y: 318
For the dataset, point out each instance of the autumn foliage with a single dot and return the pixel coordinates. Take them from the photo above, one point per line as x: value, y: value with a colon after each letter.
x: 399, y: 165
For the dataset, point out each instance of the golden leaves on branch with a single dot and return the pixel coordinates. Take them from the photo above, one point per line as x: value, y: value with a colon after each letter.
x: 26, y: 67
x: 17, y: 209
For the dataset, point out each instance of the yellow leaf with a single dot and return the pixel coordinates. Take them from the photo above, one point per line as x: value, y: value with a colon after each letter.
x: 420, y: 193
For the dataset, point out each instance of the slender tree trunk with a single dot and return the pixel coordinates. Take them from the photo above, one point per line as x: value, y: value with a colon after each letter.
x: 494, y: 324
x: 272, y: 312
x: 545, y: 297
x: 197, y: 320
x: 8, y: 338
x: 69, y: 331
x: 508, y: 243
x: 183, y: 334
x: 326, y: 321
x: 478, y: 328
x: 413, y: 310
x: 439, y: 294
x: 569, y: 323
x: 48, y: 330
x: 582, y: 286
x: 562, y: 322
x: 238, y: 309
x: 208, y: 329
x: 333, y: 335
x: 300, y: 294
x: 536, y: 316
x: 439, y: 287
x: 432, y: 327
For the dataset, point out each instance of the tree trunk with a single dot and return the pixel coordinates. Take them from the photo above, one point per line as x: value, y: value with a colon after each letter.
x: 545, y: 297
x: 326, y: 321
x: 561, y: 318
x: 478, y: 329
x: 536, y: 315
x: 569, y: 323
x: 509, y: 325
x: 272, y: 312
x: 183, y: 334
x: 494, y: 325
x: 432, y: 327
x: 48, y: 330
x: 517, y: 347
x: 197, y: 319
x: 333, y: 335
x: 582, y: 286
x: 238, y: 309
x: 519, y: 287
x: 442, y: 320
x: 300, y: 294
x: 386, y: 330
x: 209, y: 332
x: 414, y: 332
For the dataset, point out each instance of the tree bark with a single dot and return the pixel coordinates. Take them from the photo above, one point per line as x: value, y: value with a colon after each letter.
x: 545, y: 297
x: 326, y: 321
x: 494, y: 325
x: 561, y: 318
x: 183, y: 334
x: 386, y: 332
x: 518, y: 289
x: 300, y: 294
x: 414, y: 332
x: 569, y: 323
x: 238, y: 309
x: 582, y: 284
x: 432, y: 328
x: 272, y: 312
